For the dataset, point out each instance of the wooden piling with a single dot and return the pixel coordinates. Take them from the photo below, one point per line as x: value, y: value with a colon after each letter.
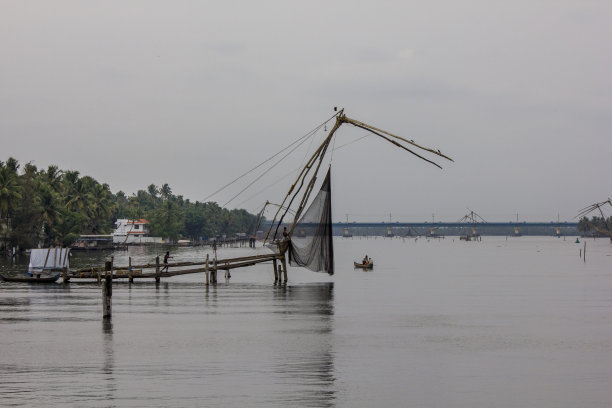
x: 65, y: 277
x: 157, y: 271
x: 130, y: 277
x: 206, y: 271
x: 275, y: 270
x: 584, y: 252
x: 284, y: 263
x: 107, y: 293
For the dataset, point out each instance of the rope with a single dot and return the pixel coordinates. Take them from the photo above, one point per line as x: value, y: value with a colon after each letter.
x: 305, y: 137
x: 264, y: 173
x: 354, y: 141
x: 264, y: 189
x: 331, y: 157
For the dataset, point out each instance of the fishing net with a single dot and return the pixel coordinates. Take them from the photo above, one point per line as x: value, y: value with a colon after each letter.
x: 311, y: 244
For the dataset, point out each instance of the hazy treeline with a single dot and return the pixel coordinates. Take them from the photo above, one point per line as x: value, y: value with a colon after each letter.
x: 595, y: 226
x: 53, y: 206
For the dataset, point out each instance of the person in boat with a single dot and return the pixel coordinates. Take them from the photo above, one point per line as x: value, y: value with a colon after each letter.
x: 285, y: 233
x: 365, y: 260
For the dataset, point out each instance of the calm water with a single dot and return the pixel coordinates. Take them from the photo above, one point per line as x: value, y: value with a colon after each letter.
x: 522, y: 322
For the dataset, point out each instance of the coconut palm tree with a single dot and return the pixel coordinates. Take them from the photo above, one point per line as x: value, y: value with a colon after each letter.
x: 53, y: 178
x: 50, y: 212
x: 26, y: 215
x: 165, y: 191
x: 80, y: 198
x: 101, y: 208
x: 153, y: 191
x: 10, y: 192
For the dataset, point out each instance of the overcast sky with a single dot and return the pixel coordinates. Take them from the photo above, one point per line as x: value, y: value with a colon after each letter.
x: 194, y: 93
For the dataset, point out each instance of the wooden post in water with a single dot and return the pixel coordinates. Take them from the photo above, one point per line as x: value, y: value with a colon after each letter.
x: 107, y: 291
x: 130, y: 277
x: 65, y: 277
x: 584, y: 252
x: 275, y: 270
x: 157, y: 277
x: 214, y: 272
x: 284, y: 263
x: 206, y: 271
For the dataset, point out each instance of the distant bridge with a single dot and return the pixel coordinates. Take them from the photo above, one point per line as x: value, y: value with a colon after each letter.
x: 454, y: 228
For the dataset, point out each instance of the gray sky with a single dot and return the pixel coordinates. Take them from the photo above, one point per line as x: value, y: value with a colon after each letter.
x: 194, y: 93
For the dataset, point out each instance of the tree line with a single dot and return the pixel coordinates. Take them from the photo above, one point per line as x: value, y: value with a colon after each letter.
x: 597, y: 226
x: 54, y: 207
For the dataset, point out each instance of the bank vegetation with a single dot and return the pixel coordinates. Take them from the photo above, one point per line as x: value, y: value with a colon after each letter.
x: 53, y: 207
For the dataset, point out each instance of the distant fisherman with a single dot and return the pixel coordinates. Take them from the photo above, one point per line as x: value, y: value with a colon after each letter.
x: 166, y: 257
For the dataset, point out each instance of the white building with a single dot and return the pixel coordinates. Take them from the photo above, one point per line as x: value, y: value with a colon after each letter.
x: 134, y: 232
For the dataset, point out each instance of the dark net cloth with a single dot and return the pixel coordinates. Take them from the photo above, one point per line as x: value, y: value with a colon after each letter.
x: 311, y: 244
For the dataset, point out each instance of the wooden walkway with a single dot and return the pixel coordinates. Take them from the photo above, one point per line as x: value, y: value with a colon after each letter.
x: 159, y: 270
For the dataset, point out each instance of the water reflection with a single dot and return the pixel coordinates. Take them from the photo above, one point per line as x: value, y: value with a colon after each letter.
x: 183, y: 341
x: 305, y: 369
x: 210, y: 295
x: 108, y: 367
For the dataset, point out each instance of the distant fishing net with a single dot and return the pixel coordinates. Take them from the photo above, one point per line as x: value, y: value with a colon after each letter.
x: 311, y: 244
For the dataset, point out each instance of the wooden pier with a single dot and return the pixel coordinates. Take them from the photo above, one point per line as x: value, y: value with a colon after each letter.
x: 159, y: 270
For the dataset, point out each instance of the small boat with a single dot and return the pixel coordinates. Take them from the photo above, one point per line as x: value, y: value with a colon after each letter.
x: 369, y: 265
x: 35, y: 278
x: 46, y: 266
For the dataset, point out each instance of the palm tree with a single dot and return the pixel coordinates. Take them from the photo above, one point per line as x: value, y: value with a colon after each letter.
x: 153, y: 191
x: 53, y: 178
x: 10, y: 193
x: 10, y: 190
x: 165, y: 191
x: 102, y: 208
x: 81, y: 195
x: 69, y: 182
x: 12, y: 164
x: 50, y: 212
x: 26, y: 216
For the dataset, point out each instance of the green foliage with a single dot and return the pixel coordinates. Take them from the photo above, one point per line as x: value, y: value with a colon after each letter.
x: 595, y: 226
x: 53, y: 207
x: 69, y: 239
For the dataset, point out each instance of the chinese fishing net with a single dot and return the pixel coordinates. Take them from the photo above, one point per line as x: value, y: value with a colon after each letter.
x: 311, y: 244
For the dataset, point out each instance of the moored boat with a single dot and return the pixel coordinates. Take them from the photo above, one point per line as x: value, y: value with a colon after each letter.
x: 35, y: 278
x: 46, y: 266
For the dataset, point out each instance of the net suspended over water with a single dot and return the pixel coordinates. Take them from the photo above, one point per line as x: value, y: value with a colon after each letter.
x: 311, y: 244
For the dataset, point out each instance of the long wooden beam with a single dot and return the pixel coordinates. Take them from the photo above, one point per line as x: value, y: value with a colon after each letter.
x: 221, y: 264
x: 172, y: 264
